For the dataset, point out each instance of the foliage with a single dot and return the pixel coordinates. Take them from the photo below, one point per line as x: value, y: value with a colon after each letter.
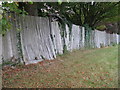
x: 65, y: 49
x: 9, y: 63
x: 88, y: 32
x: 6, y: 8
x: 81, y: 13
x: 101, y: 27
x: 19, y: 48
x: 113, y: 44
x: 4, y: 25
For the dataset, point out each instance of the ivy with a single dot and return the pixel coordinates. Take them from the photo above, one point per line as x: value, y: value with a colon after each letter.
x: 6, y: 8
x: 5, y: 25
x: 88, y: 32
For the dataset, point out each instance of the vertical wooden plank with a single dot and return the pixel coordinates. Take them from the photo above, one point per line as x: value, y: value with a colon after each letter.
x: 23, y: 27
x: 9, y: 45
x: 76, y: 37
x: 107, y: 42
x: 73, y: 34
x: 80, y: 34
x: 44, y: 38
x: 13, y: 35
x: 96, y: 39
x: 42, y: 49
x: 53, y: 36
x: 9, y: 50
x: 117, y: 37
x: 66, y: 37
x: 49, y: 42
x: 83, y: 36
x: 21, y: 20
x: 40, y: 41
x: 56, y: 38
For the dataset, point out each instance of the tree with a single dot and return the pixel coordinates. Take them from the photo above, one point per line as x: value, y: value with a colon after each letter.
x: 78, y: 13
x: 81, y: 13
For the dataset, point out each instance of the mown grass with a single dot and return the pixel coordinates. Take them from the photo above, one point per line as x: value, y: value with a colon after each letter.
x: 93, y: 68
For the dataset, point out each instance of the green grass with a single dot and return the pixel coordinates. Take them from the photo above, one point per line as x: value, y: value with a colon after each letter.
x: 79, y: 69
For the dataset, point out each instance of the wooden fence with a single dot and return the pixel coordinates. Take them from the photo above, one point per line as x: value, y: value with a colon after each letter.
x: 33, y: 39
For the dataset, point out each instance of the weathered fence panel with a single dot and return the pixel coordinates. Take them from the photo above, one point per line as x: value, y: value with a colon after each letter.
x: 36, y: 38
x: 10, y: 41
x: 9, y: 45
x: 56, y: 38
x: 75, y: 34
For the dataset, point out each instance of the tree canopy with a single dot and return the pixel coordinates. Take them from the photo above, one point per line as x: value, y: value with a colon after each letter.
x: 92, y: 14
x: 81, y: 13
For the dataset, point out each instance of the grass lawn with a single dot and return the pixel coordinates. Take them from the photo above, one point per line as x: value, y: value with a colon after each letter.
x: 93, y: 68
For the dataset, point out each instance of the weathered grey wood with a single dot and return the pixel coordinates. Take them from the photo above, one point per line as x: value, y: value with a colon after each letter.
x: 7, y: 50
x: 83, y: 37
x: 76, y: 37
x: 10, y: 41
x: 100, y: 38
x: 66, y: 38
x: 41, y: 39
x: 93, y: 39
x: 57, y: 39
x: 38, y: 38
x: 118, y: 38
x: 97, y: 44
